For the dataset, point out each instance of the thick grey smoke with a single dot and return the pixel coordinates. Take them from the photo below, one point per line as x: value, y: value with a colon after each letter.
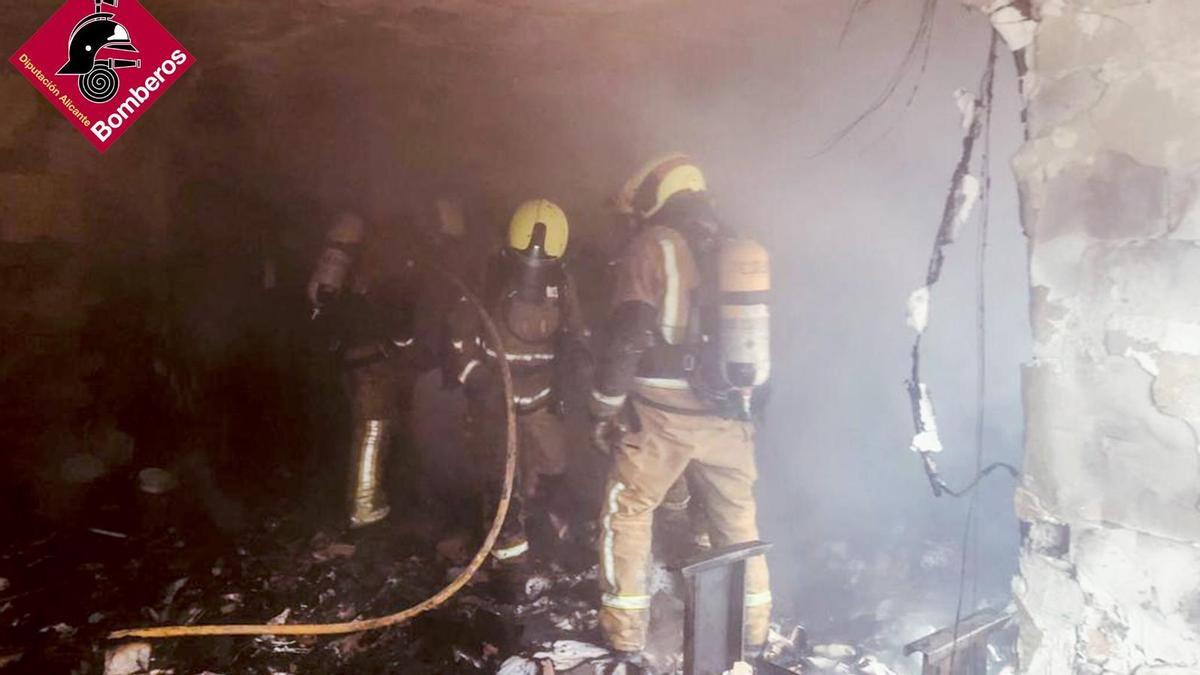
x: 851, y: 231
x: 297, y: 110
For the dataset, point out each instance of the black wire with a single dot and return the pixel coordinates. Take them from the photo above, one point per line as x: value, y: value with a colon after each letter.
x: 984, y: 227
x: 919, y: 45
x: 971, y: 526
x: 1012, y: 471
x: 944, y: 237
x: 857, y: 7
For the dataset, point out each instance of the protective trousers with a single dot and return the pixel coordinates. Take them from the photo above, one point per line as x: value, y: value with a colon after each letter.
x: 542, y: 439
x: 380, y: 397
x: 686, y: 515
x: 718, y: 455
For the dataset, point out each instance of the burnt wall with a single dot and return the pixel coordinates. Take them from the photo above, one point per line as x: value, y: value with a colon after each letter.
x: 1109, y: 501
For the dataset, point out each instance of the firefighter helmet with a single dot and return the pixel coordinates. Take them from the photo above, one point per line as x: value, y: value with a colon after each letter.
x: 95, y: 32
x: 652, y: 186
x: 538, y: 229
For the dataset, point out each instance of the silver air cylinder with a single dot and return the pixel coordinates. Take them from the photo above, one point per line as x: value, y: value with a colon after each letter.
x: 332, y: 272
x: 744, y: 320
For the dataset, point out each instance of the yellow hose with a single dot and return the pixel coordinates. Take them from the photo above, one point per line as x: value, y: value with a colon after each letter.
x: 510, y: 466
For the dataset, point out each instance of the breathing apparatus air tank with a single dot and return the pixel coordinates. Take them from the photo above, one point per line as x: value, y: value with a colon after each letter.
x: 743, y: 325
x: 332, y: 271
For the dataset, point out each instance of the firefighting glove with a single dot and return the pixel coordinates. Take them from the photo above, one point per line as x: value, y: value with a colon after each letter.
x: 607, y: 434
x: 320, y: 297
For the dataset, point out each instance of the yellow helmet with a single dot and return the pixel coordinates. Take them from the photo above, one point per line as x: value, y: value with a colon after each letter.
x: 538, y: 229
x: 648, y: 190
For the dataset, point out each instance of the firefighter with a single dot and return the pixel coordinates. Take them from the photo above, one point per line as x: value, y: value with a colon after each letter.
x: 531, y: 295
x: 673, y: 393
x: 684, y: 525
x: 363, y: 289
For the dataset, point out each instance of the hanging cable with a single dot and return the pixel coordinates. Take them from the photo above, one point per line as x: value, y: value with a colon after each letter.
x: 918, y: 46
x: 981, y: 286
x: 918, y: 395
x: 970, y: 535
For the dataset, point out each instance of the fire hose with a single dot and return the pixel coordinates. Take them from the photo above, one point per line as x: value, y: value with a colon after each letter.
x: 432, y: 602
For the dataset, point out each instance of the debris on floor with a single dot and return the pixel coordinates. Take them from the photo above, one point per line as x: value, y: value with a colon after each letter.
x: 567, y: 654
x: 288, y: 566
x: 834, y: 651
x: 869, y: 665
x: 127, y: 659
x: 519, y: 665
x: 789, y: 650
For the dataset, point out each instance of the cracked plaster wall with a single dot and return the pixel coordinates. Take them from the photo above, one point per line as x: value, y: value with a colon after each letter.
x: 1109, y: 178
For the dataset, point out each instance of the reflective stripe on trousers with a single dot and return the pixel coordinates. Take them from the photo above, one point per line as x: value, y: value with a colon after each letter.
x: 718, y: 455
x: 607, y: 563
x: 625, y: 601
x: 758, y: 599
x: 510, y: 552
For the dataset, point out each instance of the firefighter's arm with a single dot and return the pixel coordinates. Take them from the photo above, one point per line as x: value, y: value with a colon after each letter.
x: 633, y: 332
x: 633, y: 325
x: 463, y: 360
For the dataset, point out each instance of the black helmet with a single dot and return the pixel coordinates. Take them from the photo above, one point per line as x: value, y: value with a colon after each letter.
x: 95, y: 32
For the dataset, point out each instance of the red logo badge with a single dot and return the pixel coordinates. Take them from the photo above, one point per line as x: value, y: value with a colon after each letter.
x: 102, y: 63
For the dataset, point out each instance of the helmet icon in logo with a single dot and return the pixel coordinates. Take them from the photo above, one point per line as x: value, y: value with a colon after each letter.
x: 98, y: 81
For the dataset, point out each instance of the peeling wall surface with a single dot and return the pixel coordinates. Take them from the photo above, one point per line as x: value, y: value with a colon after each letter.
x: 1110, y: 180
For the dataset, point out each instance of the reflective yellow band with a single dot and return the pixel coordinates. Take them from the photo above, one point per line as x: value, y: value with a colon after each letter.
x: 521, y: 358
x: 511, y: 551
x: 677, y: 506
x: 614, y: 401
x: 368, y: 465
x: 530, y: 400
x: 758, y: 599
x: 608, y: 562
x: 663, y: 382
x: 625, y: 601
x: 466, y: 371
x: 671, y: 323
x: 404, y: 343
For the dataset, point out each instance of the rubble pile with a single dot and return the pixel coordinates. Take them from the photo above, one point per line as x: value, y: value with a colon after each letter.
x: 67, y: 588
x: 62, y: 590
x: 790, y: 652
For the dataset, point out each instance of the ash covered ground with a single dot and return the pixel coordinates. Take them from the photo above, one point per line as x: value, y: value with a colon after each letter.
x: 138, y: 559
x: 141, y: 560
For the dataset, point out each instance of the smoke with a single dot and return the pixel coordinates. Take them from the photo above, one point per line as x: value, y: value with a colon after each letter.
x: 295, y: 111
